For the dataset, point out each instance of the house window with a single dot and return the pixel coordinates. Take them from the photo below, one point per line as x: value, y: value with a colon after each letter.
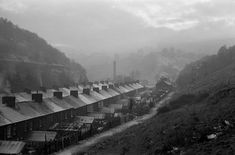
x: 89, y: 108
x: 30, y: 126
x: 9, y: 131
x: 100, y: 104
x: 66, y: 115
x: 71, y: 114
x: 40, y: 123
x: 14, y: 130
x: 25, y: 127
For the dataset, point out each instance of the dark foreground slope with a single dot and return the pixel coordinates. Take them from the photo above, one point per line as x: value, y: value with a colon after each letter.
x: 200, y: 119
x: 191, y: 124
x: 27, y: 60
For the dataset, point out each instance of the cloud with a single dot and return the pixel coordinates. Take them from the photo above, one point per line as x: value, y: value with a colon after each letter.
x: 15, y: 6
x: 121, y: 25
x: 173, y: 14
x: 179, y: 14
x: 62, y: 45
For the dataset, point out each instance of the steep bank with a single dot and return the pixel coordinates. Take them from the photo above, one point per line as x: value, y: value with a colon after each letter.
x: 28, y: 61
x: 209, y: 73
x: 191, y: 125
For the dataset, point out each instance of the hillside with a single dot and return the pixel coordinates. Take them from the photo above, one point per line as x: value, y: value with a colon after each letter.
x: 151, y: 64
x: 28, y: 61
x: 209, y: 73
x: 192, y: 125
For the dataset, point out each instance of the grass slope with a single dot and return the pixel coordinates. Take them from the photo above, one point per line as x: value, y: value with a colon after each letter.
x: 182, y: 129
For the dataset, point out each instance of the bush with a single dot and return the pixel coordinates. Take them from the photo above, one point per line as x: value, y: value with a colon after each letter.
x: 201, y: 97
x: 164, y: 109
x: 181, y: 101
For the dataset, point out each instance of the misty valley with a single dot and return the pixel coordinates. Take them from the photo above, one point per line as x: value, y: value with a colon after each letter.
x: 117, y: 77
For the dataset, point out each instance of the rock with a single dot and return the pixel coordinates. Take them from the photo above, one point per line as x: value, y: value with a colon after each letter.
x: 211, y: 136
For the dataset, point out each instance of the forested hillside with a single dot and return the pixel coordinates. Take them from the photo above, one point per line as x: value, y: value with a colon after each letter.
x: 28, y: 61
x: 209, y: 73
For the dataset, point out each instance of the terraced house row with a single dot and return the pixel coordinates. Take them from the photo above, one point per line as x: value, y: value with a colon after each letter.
x: 31, y: 117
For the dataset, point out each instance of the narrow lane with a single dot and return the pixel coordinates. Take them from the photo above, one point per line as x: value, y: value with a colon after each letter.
x: 85, y: 144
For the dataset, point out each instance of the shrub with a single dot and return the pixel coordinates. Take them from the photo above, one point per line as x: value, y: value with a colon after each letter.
x: 163, y: 109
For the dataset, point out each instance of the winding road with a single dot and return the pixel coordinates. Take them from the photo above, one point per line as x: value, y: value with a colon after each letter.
x: 85, y: 144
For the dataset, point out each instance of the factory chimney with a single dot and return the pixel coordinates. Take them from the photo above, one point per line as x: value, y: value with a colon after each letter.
x: 114, y: 71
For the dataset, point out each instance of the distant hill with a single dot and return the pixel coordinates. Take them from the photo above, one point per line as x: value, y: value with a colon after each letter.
x: 209, y: 73
x: 28, y: 61
x: 146, y: 64
x: 150, y: 64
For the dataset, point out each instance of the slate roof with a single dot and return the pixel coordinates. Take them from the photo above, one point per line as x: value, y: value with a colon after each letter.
x: 74, y: 102
x: 41, y: 136
x: 11, y: 147
x: 87, y: 98
x: 27, y: 109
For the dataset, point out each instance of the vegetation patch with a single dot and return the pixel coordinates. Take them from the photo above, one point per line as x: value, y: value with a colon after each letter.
x: 195, y: 127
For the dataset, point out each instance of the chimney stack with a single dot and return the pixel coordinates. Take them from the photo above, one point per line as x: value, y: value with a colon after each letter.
x: 74, y: 93
x: 86, y: 91
x: 96, y: 89
x: 58, y: 94
x: 111, y: 86
x: 105, y: 88
x: 10, y: 101
x: 37, y: 97
x: 114, y: 70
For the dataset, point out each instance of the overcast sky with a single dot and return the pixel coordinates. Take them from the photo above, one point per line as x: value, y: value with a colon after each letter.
x: 121, y: 25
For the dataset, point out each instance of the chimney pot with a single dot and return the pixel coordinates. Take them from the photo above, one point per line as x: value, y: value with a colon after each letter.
x: 74, y: 93
x: 96, y: 89
x: 58, y: 94
x: 104, y: 88
x: 37, y: 97
x: 86, y: 91
x: 9, y: 101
